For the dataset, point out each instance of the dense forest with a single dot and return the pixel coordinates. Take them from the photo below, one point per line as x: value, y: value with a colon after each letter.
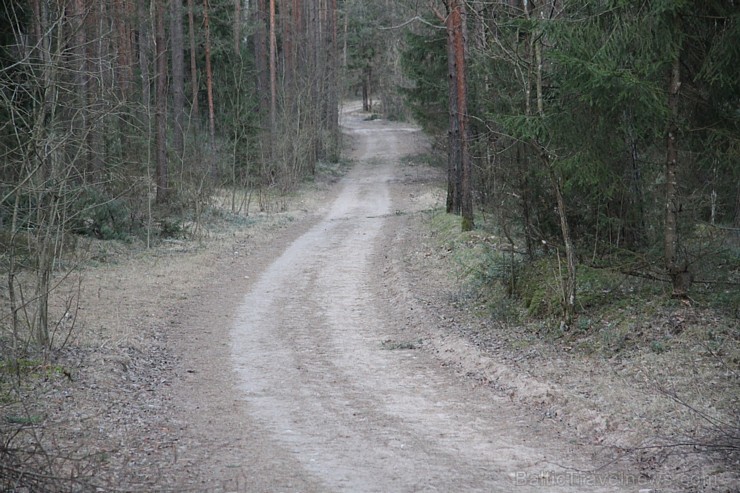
x: 127, y: 119
x: 593, y: 139
x: 607, y: 129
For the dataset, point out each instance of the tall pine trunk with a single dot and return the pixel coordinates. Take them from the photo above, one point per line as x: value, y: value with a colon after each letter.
x: 161, y: 103
x: 273, y: 68
x: 454, y: 150
x: 178, y: 79
x: 193, y: 64
x: 459, y: 27
x: 261, y: 57
x: 209, y: 91
x: 79, y: 15
x: 459, y: 166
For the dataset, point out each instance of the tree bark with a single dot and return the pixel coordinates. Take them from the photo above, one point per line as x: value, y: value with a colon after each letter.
x: 209, y: 90
x: 333, y: 89
x: 453, y: 132
x: 458, y: 24
x: 123, y: 41
x: 681, y: 277
x: 178, y: 79
x: 261, y: 57
x: 96, y: 90
x: 286, y: 21
x: 161, y: 108
x: 144, y: 55
x: 81, y: 76
x: 459, y: 168
x: 237, y: 26
x: 193, y: 64
x: 273, y: 68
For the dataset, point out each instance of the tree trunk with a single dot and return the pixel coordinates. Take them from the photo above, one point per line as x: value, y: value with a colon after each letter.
x: 144, y: 56
x: 317, y: 75
x: 178, y: 79
x: 454, y: 151
x: 193, y: 64
x: 286, y: 21
x: 161, y: 110
x: 261, y: 57
x: 273, y: 68
x: 96, y: 89
x: 458, y: 25
x: 209, y: 90
x: 367, y: 76
x: 237, y: 26
x: 123, y: 42
x: 333, y: 89
x: 81, y: 76
x: 459, y: 169
x: 680, y: 275
x: 298, y: 34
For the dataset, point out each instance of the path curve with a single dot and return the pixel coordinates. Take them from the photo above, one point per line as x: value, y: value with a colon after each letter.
x: 353, y: 411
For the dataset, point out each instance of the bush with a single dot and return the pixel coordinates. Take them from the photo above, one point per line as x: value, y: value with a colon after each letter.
x: 100, y: 216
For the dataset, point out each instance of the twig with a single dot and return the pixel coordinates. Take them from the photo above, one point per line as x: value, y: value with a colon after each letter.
x: 413, y: 19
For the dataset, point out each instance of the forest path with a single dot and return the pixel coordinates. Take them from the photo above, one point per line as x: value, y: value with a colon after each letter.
x: 332, y: 388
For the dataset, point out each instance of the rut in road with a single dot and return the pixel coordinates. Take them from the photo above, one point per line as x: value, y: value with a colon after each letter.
x: 307, y: 344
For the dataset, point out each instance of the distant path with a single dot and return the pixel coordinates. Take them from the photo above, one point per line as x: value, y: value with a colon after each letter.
x: 349, y: 412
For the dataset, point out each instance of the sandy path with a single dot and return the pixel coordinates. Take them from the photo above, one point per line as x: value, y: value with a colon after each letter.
x: 338, y: 410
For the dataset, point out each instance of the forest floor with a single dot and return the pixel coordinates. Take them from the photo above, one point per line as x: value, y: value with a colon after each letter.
x: 329, y: 346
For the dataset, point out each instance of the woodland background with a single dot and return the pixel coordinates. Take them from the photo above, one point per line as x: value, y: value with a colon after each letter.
x: 591, y: 147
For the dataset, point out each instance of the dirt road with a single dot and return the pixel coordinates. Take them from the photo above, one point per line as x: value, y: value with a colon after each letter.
x: 336, y: 391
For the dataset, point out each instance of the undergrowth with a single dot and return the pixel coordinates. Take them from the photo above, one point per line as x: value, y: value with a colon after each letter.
x: 617, y: 310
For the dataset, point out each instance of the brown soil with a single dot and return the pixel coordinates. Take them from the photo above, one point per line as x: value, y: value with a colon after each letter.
x: 321, y: 349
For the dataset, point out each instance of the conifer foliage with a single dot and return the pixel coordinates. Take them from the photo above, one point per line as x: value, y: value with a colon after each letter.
x: 606, y: 127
